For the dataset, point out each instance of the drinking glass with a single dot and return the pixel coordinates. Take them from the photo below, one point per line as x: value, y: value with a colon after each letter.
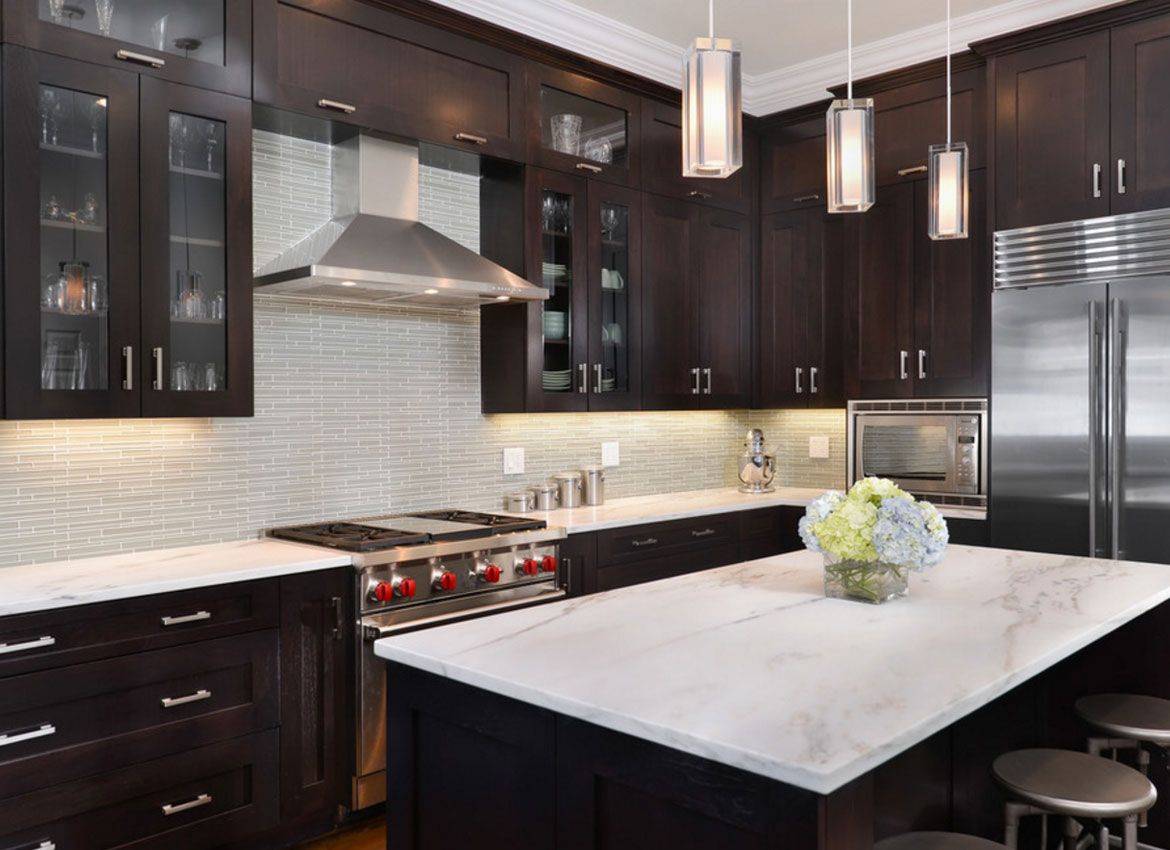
x: 96, y: 113
x: 158, y: 33
x: 210, y: 381
x: 57, y: 11
x: 49, y: 113
x: 52, y: 209
x: 219, y: 306
x: 599, y: 150
x: 53, y: 290
x: 105, y: 15
x: 193, y: 304
x: 609, y: 222
x: 566, y: 133
x: 49, y: 365
x: 89, y: 209
x: 180, y: 377
x: 79, y: 374
x: 178, y: 137
x: 76, y: 279
x: 99, y: 295
x: 211, y: 140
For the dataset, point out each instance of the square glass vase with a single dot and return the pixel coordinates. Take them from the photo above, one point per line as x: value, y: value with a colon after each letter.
x: 874, y: 582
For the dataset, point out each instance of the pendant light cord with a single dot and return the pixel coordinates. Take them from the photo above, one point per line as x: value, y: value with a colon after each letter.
x: 849, y: 49
x: 711, y: 19
x: 948, y: 75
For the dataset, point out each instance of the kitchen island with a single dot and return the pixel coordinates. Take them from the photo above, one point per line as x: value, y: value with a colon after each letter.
x: 739, y: 707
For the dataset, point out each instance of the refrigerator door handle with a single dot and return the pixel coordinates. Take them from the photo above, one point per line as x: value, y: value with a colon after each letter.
x: 1116, y: 423
x: 1094, y: 421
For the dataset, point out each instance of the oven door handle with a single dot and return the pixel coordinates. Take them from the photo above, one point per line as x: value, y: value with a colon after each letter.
x: 373, y: 633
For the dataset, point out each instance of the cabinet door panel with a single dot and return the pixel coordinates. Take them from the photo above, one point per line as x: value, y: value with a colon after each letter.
x: 1140, y: 122
x: 790, y: 260
x: 670, y: 349
x: 792, y: 164
x: 662, y: 158
x: 725, y: 307
x: 615, y: 289
x: 826, y: 320
x: 1052, y: 128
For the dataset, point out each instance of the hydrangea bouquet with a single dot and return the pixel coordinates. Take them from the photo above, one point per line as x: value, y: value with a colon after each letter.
x: 871, y: 539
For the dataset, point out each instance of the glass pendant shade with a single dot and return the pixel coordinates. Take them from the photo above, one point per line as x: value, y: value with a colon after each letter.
x: 849, y: 135
x: 712, y: 109
x: 948, y: 166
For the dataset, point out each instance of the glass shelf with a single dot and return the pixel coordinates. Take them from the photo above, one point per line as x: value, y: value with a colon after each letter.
x: 69, y: 150
x: 204, y: 173
x: 73, y: 225
x: 579, y: 127
x: 195, y: 240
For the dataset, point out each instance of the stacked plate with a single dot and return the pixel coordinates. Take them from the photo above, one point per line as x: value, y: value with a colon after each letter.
x: 555, y: 324
x: 608, y: 385
x: 557, y: 271
x: 557, y: 382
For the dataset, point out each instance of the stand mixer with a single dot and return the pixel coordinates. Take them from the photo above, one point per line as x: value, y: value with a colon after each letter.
x: 756, y: 467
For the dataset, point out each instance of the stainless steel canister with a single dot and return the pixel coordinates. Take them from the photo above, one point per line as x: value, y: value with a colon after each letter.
x: 593, y: 485
x: 520, y: 502
x: 546, y: 497
x: 568, y: 489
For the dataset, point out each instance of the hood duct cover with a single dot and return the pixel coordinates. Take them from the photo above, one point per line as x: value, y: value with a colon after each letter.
x: 375, y: 251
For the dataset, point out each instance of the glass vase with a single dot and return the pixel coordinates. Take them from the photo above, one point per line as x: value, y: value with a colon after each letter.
x: 865, y: 581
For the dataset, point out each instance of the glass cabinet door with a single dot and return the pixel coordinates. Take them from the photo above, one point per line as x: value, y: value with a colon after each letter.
x: 71, y: 212
x: 615, y: 269
x: 196, y: 252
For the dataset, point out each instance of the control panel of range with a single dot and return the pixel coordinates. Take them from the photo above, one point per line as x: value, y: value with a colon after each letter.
x: 967, y: 452
x: 444, y: 576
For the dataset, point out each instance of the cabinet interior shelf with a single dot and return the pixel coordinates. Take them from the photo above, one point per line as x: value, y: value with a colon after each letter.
x: 68, y: 150
x: 556, y: 341
x: 193, y: 240
x: 617, y: 246
x: 182, y: 321
x: 556, y: 234
x: 72, y: 225
x: 82, y: 314
x: 196, y: 172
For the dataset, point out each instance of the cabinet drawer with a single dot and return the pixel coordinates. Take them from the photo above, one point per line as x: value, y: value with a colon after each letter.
x: 82, y: 720
x: 202, y: 798
x: 769, y: 531
x: 643, y: 542
x: 48, y: 639
x: 624, y: 574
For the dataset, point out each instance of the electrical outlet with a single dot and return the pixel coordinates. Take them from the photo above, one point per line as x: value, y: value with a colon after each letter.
x: 818, y: 447
x: 610, y: 456
x: 513, y: 461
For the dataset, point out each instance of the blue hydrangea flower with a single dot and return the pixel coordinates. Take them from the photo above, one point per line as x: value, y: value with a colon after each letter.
x: 820, y: 510
x: 909, y: 534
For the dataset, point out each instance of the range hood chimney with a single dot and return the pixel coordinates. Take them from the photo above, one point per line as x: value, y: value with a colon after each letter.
x: 374, y: 250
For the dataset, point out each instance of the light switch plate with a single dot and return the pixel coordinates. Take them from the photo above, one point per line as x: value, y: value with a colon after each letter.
x: 818, y: 447
x: 610, y: 455
x: 513, y: 461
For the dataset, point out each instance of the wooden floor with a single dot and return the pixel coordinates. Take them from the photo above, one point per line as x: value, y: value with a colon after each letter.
x: 367, y: 835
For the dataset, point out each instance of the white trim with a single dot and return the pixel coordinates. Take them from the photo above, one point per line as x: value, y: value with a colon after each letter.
x: 571, y: 27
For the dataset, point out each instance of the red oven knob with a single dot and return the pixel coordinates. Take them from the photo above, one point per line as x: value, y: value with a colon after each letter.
x: 488, y: 572
x: 528, y: 566
x: 446, y: 581
x: 549, y: 564
x: 386, y: 590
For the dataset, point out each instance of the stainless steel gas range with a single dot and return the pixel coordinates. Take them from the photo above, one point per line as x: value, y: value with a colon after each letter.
x: 424, y: 569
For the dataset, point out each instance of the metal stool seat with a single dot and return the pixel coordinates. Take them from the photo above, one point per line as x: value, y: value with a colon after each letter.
x: 936, y: 841
x: 1139, y: 718
x: 1077, y: 785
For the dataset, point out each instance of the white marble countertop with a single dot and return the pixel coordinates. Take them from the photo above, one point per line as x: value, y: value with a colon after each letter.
x: 750, y: 665
x: 37, y: 587
x: 634, y: 510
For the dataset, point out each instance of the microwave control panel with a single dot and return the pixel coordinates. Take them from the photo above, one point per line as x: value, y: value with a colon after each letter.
x: 967, y: 462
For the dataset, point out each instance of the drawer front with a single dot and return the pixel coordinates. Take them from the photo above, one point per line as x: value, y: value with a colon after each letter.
x: 769, y: 531
x: 58, y: 725
x: 613, y: 576
x: 49, y: 639
x: 644, y: 542
x: 202, y: 798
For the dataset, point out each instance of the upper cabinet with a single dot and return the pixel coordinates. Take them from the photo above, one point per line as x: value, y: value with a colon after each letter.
x: 366, y: 66
x: 1080, y: 121
x: 584, y: 127
x: 205, y: 43
x: 792, y: 166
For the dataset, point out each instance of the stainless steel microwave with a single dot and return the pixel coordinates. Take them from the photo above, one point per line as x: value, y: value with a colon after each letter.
x: 932, y: 448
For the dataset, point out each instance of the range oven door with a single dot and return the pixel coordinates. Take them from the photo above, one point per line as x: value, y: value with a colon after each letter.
x: 370, y: 782
x: 918, y: 452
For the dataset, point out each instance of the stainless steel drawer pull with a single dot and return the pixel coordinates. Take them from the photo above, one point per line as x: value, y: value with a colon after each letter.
x: 468, y: 137
x: 186, y: 618
x: 128, y: 367
x: 799, y: 377
x: 1121, y: 176
x: 175, y: 808
x: 140, y: 58
x: 42, y: 731
x: 1096, y: 179
x: 707, y: 375
x: 695, y: 193
x: 36, y: 643
x: 649, y: 541
x: 812, y: 380
x: 597, y: 377
x: 804, y: 199
x: 157, y: 353
x: 582, y: 374
x: 706, y: 532
x: 584, y: 166
x: 337, y: 106
x: 903, y: 356
x: 198, y: 696
x: 922, y: 364
x: 906, y: 172
x: 695, y: 385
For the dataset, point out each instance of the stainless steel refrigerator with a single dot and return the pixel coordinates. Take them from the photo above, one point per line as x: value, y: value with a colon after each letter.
x: 1080, y: 401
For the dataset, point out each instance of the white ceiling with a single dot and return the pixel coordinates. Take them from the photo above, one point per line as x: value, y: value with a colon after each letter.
x: 793, y: 50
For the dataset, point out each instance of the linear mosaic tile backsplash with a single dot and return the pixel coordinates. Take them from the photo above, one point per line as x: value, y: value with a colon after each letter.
x: 357, y: 412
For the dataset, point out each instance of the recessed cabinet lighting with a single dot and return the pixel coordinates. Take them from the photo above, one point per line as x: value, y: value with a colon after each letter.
x: 431, y: 291
x: 348, y: 283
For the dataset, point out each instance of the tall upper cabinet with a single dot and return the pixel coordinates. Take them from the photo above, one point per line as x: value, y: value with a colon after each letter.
x: 1080, y: 118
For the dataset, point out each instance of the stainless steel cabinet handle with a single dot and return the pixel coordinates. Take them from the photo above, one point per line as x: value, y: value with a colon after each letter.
x: 582, y: 378
x: 1121, y: 176
x: 706, y: 532
x: 44, y: 730
x: 585, y: 166
x: 186, y: 618
x: 140, y: 58
x: 1094, y: 421
x: 906, y: 172
x: 707, y: 375
x: 922, y: 364
x: 1096, y: 179
x: 597, y: 378
x: 337, y: 106
x: 695, y: 385
x: 36, y: 643
x: 127, y: 367
x: 904, y: 358
x: 175, y: 808
x: 1117, y: 423
x: 812, y: 380
x: 799, y: 380
x: 649, y: 541
x: 338, y: 618
x: 695, y: 193
x: 157, y: 354
x: 198, y: 696
x: 468, y: 137
x: 804, y: 199
x: 44, y: 844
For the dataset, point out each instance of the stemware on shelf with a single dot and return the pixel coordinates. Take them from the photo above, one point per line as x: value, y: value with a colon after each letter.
x: 211, y: 141
x: 57, y: 11
x: 105, y: 15
x: 566, y: 133
x: 158, y: 33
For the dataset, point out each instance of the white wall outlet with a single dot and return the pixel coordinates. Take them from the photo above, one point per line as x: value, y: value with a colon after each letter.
x: 610, y: 456
x: 818, y: 447
x: 513, y: 461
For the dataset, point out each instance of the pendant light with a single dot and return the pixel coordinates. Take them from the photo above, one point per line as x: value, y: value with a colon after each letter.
x: 849, y: 136
x: 712, y: 110
x: 948, y: 165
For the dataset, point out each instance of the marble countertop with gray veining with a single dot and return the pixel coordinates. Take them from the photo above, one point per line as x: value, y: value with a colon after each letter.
x: 751, y: 666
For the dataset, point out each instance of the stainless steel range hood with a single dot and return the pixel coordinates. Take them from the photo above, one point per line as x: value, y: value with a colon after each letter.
x: 374, y: 251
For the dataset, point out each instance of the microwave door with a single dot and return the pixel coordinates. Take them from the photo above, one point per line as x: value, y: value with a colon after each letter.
x: 916, y: 452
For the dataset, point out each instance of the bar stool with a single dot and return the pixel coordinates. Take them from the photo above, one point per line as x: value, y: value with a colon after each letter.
x: 1128, y: 721
x: 1075, y: 785
x: 936, y: 841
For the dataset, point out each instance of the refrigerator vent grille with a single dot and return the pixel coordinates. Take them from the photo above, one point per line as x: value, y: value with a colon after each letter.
x: 949, y: 405
x: 1094, y: 250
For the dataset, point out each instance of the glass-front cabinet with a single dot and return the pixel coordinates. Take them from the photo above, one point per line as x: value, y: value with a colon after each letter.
x: 205, y: 43
x: 106, y: 204
x: 615, y: 267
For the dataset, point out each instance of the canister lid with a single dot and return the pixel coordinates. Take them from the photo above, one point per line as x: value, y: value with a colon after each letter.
x: 593, y: 467
x: 571, y: 476
x: 521, y: 494
x: 545, y: 489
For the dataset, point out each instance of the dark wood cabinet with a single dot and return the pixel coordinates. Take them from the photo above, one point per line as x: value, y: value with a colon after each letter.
x: 1139, y: 117
x: 579, y: 563
x: 696, y: 316
x: 764, y: 532
x: 792, y: 166
x: 366, y: 66
x: 194, y: 42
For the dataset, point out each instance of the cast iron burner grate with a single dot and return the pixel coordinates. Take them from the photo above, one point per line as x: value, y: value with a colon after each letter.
x: 350, y: 536
x: 497, y: 522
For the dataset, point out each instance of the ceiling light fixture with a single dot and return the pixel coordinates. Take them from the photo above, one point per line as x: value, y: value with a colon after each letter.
x: 849, y: 136
x: 712, y: 114
x: 948, y: 166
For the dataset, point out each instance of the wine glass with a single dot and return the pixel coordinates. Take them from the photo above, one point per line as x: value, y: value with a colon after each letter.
x: 48, y: 115
x: 178, y: 136
x: 57, y: 11
x: 211, y: 140
x: 95, y: 111
x: 609, y: 222
x: 105, y: 15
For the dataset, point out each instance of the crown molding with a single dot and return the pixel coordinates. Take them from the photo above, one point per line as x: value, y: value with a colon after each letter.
x: 571, y: 27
